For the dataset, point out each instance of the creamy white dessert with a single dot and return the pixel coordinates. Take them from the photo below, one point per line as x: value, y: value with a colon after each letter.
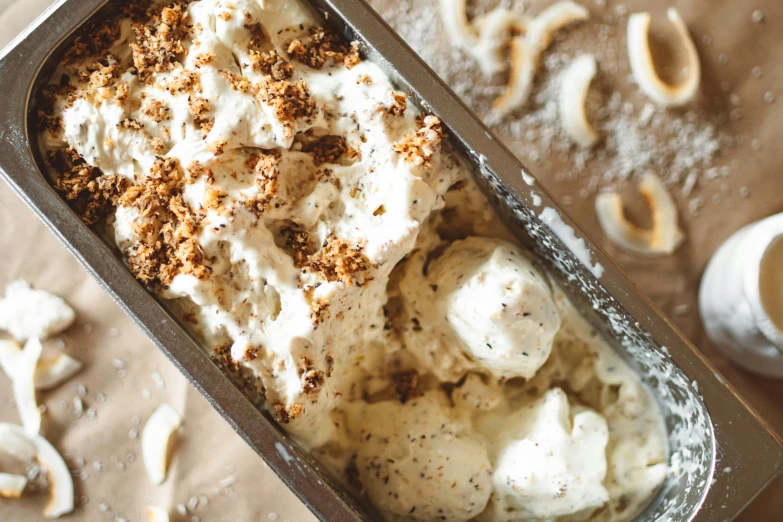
x: 313, y: 229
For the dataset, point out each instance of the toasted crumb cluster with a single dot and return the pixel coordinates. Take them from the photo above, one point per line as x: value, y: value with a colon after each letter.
x: 321, y: 47
x: 156, y: 110
x: 297, y: 245
x: 159, y: 42
x: 185, y: 81
x: 237, y: 81
x: 312, y: 379
x: 265, y: 170
x: 397, y: 104
x: 419, y: 148
x: 290, y: 100
x: 95, y: 45
x: 45, y: 111
x: 270, y: 63
x: 166, y: 227
x: 283, y: 415
x: 93, y: 194
x: 339, y: 261
x: 326, y: 149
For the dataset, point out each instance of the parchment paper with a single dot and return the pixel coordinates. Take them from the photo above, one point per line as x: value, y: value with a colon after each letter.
x: 126, y: 378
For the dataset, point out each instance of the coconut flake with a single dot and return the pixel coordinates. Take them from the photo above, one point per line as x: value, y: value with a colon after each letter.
x: 494, y: 30
x: 20, y: 446
x: 56, y: 370
x: 663, y: 238
x: 48, y: 372
x: 60, y: 481
x: 24, y: 386
x: 455, y: 21
x: 11, y: 486
x: 643, y: 68
x: 573, y: 95
x: 155, y: 441
x: 157, y: 514
x: 26, y: 313
x: 526, y: 52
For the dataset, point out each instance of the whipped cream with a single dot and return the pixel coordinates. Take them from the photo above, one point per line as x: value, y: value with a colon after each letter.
x: 309, y: 225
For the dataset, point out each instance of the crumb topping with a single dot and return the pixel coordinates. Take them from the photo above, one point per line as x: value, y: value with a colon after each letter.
x: 419, y: 148
x: 290, y: 100
x: 159, y: 42
x: 92, y: 194
x: 325, y: 149
x: 167, y: 227
x: 339, y: 261
x: 270, y: 63
x: 322, y: 46
x: 156, y: 110
x: 397, y: 104
x: 237, y: 81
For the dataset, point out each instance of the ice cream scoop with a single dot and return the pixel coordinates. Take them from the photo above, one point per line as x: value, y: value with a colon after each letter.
x: 417, y: 459
x: 551, y: 462
x: 497, y: 305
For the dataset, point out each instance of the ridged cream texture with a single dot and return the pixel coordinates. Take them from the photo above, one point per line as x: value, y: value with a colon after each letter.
x: 494, y: 320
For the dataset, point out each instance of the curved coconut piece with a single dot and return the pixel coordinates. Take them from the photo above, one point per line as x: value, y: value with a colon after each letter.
x: 663, y: 238
x: 526, y: 52
x: 643, y: 67
x: 155, y: 438
x: 573, y: 95
x: 60, y: 480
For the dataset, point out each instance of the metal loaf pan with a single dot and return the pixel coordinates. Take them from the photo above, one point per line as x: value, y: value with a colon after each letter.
x: 722, y: 454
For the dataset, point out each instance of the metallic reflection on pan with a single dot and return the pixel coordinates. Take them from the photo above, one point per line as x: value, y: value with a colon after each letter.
x: 722, y: 454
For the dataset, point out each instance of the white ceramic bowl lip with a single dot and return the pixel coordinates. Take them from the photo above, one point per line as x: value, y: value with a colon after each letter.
x: 756, y: 243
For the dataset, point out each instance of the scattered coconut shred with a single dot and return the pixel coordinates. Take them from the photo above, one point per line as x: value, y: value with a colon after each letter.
x: 626, y: 134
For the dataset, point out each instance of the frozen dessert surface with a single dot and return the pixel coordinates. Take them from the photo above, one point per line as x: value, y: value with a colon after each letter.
x: 421, y: 460
x: 322, y: 239
x: 484, y: 304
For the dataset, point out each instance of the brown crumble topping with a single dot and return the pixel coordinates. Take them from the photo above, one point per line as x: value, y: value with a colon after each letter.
x: 225, y: 15
x: 217, y: 147
x: 214, y: 198
x: 159, y: 43
x: 167, y: 227
x: 283, y: 415
x: 92, y: 194
x: 190, y: 317
x: 45, y: 116
x: 251, y: 353
x: 237, y: 81
x: 322, y: 46
x: 121, y: 93
x: 319, y: 310
x: 399, y: 102
x: 186, y: 81
x: 266, y: 173
x: 194, y: 171
x: 155, y: 110
x: 204, y: 59
x: 96, y: 45
x: 312, y: 380
x: 223, y: 355
x: 406, y: 385
x: 290, y: 101
x: 130, y: 124
x: 270, y: 63
x: 199, y: 108
x: 338, y: 261
x: 418, y: 148
x: 157, y: 145
x: 326, y: 149
x: 364, y: 79
x: 297, y: 245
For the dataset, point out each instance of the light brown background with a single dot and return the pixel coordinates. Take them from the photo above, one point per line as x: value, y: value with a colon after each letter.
x: 209, y: 455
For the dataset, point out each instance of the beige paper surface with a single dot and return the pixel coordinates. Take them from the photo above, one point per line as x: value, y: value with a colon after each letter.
x: 124, y: 371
